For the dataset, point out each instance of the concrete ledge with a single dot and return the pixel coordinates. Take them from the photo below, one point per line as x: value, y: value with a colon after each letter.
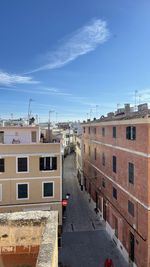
x: 23, y: 231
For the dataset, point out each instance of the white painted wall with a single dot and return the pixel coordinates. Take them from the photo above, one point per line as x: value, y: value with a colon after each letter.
x: 21, y: 134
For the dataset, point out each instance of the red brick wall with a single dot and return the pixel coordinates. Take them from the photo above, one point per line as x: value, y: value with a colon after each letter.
x: 137, y: 224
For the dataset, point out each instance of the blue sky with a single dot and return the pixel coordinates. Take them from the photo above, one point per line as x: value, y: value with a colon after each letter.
x: 78, y: 58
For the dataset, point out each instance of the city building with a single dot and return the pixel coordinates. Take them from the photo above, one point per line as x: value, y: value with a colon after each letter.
x: 116, y: 169
x: 79, y: 156
x: 30, y: 171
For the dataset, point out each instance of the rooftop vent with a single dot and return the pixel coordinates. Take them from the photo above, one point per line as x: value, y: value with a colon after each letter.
x: 127, y: 109
x: 110, y: 114
x: 143, y: 107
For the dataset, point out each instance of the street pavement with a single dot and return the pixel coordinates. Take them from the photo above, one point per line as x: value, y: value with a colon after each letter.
x: 85, y: 242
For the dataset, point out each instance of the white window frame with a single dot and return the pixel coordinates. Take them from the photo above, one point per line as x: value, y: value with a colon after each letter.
x: 44, y: 182
x: 17, y: 191
x: 18, y: 157
x: 50, y: 163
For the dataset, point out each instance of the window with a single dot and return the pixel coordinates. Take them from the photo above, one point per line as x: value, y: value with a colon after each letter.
x: 48, y: 163
x: 94, y: 130
x: 84, y: 129
x: 22, y: 191
x: 131, y: 133
x: 47, y: 189
x: 89, y: 151
x: 2, y: 165
x: 131, y: 172
x: 103, y: 159
x: 33, y: 136
x: 89, y: 130
x: 114, y: 132
x: 95, y: 154
x: 131, y: 208
x: 89, y: 170
x: 22, y: 165
x: 103, y: 183
x: 114, y: 192
x: 103, y: 131
x: 84, y: 148
x: 2, y: 137
x: 114, y: 164
x: 0, y: 192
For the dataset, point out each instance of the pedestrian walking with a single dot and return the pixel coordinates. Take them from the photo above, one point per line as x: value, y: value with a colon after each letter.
x: 67, y: 195
x: 108, y: 263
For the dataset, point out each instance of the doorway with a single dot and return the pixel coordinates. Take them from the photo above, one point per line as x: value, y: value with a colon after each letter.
x: 132, y: 243
x: 104, y: 209
x: 96, y: 199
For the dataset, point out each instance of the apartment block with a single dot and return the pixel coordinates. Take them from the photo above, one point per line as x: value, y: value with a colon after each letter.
x: 116, y: 169
x: 79, y: 156
x: 30, y: 171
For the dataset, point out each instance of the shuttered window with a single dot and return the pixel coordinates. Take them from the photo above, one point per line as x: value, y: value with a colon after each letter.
x: 131, y: 172
x: 114, y: 164
x: 33, y: 136
x: 131, y: 132
x: 131, y: 208
x: 22, y: 165
x: 2, y: 165
x: 22, y: 191
x: 48, y: 163
x: 47, y: 189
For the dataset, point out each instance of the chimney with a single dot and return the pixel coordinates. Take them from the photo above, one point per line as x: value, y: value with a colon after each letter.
x: 127, y: 109
x: 143, y: 107
x: 110, y: 114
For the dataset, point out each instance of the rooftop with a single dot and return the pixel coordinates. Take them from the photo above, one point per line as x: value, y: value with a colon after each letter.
x: 126, y: 113
x: 29, y: 237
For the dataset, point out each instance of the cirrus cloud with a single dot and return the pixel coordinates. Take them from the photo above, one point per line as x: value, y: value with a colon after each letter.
x: 83, y: 41
x: 7, y: 79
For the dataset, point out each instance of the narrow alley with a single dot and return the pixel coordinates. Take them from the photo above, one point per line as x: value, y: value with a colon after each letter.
x: 85, y: 242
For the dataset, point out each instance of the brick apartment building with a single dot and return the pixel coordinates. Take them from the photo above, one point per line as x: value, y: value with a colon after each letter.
x: 116, y: 168
x: 30, y: 171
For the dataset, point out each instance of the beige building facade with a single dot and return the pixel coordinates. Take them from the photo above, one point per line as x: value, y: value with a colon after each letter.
x: 79, y: 156
x: 30, y: 171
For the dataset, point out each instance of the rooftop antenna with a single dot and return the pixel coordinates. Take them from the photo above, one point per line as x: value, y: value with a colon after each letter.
x: 135, y: 107
x: 49, y: 124
x: 96, y: 107
x: 56, y: 116
x: 29, y: 109
x: 91, y: 113
x: 140, y: 99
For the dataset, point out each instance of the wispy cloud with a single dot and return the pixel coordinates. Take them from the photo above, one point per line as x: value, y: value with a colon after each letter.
x: 81, y: 42
x: 7, y: 79
x: 39, y: 91
x: 54, y: 91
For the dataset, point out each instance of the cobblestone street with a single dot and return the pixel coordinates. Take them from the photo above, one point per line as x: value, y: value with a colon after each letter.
x: 85, y: 242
